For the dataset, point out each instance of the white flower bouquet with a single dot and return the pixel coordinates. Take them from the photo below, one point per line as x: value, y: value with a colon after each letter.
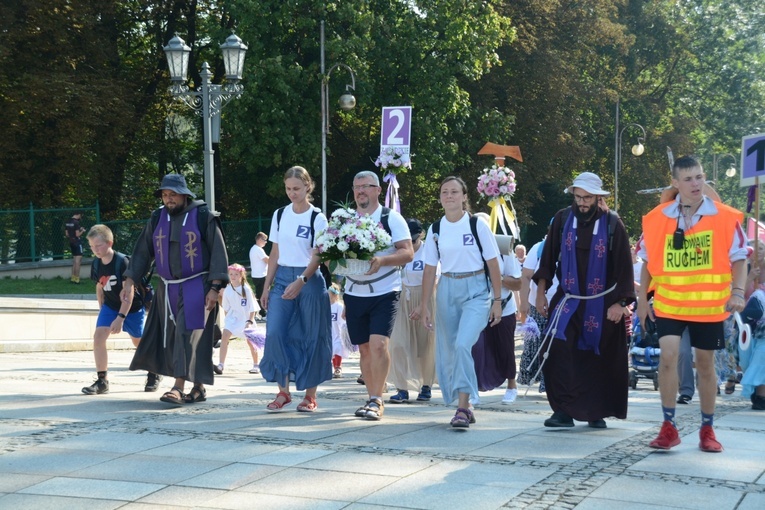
x: 393, y: 159
x: 349, y: 238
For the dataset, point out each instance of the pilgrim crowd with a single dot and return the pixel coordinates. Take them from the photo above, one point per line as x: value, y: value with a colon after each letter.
x: 441, y: 307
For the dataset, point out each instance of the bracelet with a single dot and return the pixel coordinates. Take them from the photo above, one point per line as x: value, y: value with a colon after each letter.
x: 120, y: 314
x: 497, y: 299
x: 737, y: 288
x: 737, y: 295
x: 248, y: 321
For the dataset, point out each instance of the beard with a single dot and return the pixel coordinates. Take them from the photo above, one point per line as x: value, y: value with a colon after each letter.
x: 175, y: 209
x: 584, y: 217
x: 362, y: 202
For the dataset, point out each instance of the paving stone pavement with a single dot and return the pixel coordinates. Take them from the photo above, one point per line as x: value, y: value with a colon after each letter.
x: 125, y: 449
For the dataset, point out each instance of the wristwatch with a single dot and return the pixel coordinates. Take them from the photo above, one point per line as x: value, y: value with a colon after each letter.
x: 120, y: 314
x: 302, y: 278
x: 216, y: 287
x: 623, y: 302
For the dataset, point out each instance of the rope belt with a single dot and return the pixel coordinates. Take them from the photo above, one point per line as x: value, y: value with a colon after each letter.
x: 460, y: 276
x: 168, y: 310
x: 554, y: 328
x: 369, y: 282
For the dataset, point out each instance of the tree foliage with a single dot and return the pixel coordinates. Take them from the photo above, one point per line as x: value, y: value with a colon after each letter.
x: 87, y: 117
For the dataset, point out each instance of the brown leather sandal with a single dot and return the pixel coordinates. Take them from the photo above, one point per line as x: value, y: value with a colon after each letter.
x: 170, y: 398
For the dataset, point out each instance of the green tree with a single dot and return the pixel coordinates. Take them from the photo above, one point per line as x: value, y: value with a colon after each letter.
x: 401, y: 55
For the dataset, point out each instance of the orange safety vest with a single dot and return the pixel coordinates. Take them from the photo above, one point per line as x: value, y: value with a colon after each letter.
x: 692, y: 283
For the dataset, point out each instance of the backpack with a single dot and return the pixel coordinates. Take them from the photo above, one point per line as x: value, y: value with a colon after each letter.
x: 384, y: 220
x: 612, y: 217
x: 203, y: 216
x: 436, y: 227
x: 143, y: 289
x: 314, y: 213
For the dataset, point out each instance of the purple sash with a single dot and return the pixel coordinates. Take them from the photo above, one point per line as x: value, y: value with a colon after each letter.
x: 192, y: 267
x: 589, y: 339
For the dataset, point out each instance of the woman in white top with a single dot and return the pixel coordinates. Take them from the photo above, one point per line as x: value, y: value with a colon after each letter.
x: 412, y: 345
x: 298, y: 326
x: 464, y: 302
x: 239, y: 306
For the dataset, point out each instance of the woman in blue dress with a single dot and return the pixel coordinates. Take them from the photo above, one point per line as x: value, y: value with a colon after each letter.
x: 298, y: 325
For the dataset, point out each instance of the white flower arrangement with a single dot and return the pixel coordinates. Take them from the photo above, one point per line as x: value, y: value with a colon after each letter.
x: 349, y: 236
x: 392, y: 159
x: 496, y: 182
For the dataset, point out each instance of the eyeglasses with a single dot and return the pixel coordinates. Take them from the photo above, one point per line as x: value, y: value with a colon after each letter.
x: 583, y: 198
x: 364, y: 187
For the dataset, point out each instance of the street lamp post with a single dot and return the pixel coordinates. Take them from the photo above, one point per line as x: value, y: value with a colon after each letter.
x: 637, y: 150
x: 210, y: 100
x: 716, y: 158
x: 347, y: 102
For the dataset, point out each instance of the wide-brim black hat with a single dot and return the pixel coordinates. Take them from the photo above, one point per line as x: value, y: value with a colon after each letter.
x: 174, y: 182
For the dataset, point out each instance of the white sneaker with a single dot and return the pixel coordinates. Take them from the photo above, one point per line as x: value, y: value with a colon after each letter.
x: 510, y: 396
x: 255, y: 369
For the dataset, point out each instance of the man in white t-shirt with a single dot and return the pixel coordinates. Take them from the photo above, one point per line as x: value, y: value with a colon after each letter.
x: 259, y: 267
x: 371, y: 299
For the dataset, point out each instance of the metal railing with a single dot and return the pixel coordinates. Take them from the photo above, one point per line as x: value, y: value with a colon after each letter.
x: 35, y: 235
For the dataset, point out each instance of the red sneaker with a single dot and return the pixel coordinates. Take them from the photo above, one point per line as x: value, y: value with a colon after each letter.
x: 667, y: 437
x: 708, y: 442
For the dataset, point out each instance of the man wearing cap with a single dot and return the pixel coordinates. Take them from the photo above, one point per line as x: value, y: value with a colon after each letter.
x: 587, y: 248
x: 694, y: 253
x: 185, y: 241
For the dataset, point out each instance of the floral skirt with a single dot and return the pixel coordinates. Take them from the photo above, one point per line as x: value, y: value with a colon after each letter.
x: 531, y: 334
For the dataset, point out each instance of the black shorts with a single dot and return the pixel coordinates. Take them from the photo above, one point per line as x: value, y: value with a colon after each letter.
x: 366, y: 316
x: 76, y: 248
x: 708, y: 336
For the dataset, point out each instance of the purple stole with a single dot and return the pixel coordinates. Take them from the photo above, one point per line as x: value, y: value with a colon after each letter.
x: 589, y: 339
x: 191, y: 266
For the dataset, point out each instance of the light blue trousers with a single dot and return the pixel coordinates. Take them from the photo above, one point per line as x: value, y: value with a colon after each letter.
x: 462, y: 312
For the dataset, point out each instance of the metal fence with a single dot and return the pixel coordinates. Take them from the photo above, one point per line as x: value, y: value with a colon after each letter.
x: 34, y: 235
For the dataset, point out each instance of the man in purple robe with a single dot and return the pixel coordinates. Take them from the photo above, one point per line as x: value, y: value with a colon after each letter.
x: 587, y: 247
x: 185, y: 241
